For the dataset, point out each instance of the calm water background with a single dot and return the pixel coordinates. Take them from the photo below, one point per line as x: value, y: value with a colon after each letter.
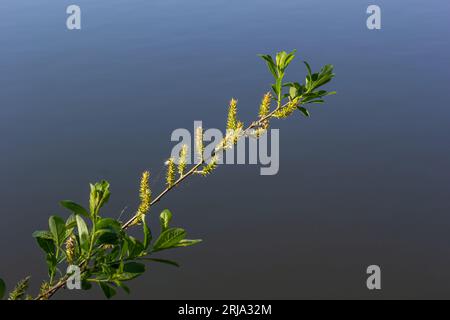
x: 365, y: 180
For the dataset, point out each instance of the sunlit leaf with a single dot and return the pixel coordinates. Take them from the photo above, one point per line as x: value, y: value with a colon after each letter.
x: 58, y: 229
x: 164, y: 218
x: 169, y: 239
x: 83, y: 233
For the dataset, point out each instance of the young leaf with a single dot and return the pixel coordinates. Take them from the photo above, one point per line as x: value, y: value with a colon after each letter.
x: 83, y: 233
x: 289, y: 59
x: 75, y: 208
x: 57, y: 228
x: 280, y: 58
x: 187, y: 242
x: 293, y: 92
x: 2, y: 288
x: 169, y: 238
x: 99, y: 196
x: 164, y: 218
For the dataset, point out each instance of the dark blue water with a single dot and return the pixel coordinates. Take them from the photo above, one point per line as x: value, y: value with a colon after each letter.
x: 364, y: 181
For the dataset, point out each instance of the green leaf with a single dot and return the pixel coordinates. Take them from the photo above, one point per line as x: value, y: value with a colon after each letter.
x: 188, y: 242
x: 83, y: 233
x: 99, y: 196
x: 74, y: 207
x: 316, y: 101
x: 57, y: 228
x: 280, y: 58
x: 107, y: 290
x: 42, y: 234
x: 51, y: 261
x: 108, y: 231
x: 134, y: 267
x: 106, y: 237
x: 321, y: 81
x: 169, y: 238
x: 164, y: 218
x: 278, y: 85
x: 304, y: 111
x: 131, y: 270
x: 293, y: 92
x: 71, y: 222
x: 270, y: 64
x: 108, y: 224
x: 135, y: 248
x: 147, y: 233
x: 2, y: 288
x: 289, y: 59
x: 284, y: 59
x: 275, y: 89
x: 308, y: 67
x: 47, y: 245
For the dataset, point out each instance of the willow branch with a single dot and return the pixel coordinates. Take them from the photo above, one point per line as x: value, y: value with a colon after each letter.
x: 62, y: 281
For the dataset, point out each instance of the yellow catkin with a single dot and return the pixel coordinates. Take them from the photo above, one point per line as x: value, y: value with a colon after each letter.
x: 199, y: 143
x: 287, y: 110
x: 145, y: 195
x: 210, y: 166
x: 170, y: 174
x: 20, y: 290
x: 182, y: 160
x: 256, y: 133
x: 264, y: 108
x: 70, y: 249
x: 232, y: 115
x: 43, y: 290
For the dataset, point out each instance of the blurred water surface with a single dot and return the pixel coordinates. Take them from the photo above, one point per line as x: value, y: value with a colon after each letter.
x: 364, y: 181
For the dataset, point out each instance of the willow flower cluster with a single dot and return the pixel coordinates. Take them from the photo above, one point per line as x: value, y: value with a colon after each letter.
x: 145, y: 196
